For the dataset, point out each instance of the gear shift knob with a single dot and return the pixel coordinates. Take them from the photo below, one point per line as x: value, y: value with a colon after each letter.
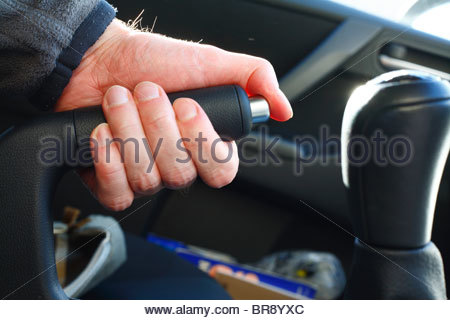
x: 395, y: 142
x: 393, y: 177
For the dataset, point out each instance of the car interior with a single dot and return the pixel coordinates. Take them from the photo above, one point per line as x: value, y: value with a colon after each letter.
x: 321, y: 51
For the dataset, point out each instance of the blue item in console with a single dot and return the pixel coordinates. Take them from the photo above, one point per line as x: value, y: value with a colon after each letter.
x: 171, y: 245
x: 210, y: 263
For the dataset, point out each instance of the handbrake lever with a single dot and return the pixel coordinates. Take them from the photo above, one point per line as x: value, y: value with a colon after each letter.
x: 28, y: 184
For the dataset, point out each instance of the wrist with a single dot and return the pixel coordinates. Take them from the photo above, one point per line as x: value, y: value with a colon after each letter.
x: 112, y: 36
x: 94, y: 69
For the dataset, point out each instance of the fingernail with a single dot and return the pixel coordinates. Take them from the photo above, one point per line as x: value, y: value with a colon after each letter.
x: 116, y: 95
x: 145, y: 91
x: 185, y: 110
x: 100, y: 134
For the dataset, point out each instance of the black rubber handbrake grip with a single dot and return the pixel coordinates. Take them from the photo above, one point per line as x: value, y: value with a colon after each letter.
x: 229, y: 109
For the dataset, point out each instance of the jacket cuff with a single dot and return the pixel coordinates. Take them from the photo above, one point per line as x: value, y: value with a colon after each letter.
x: 84, y: 37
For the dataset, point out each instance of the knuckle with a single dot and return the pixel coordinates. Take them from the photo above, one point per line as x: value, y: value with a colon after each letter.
x: 109, y: 173
x: 223, y: 175
x: 159, y: 118
x: 125, y: 127
x: 178, y: 179
x: 117, y: 203
x: 144, y: 183
x: 191, y: 144
x: 264, y: 64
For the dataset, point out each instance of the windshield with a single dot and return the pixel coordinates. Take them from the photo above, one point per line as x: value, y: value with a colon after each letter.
x: 431, y: 16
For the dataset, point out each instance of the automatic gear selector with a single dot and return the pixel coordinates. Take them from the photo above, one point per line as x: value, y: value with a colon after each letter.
x: 392, y: 189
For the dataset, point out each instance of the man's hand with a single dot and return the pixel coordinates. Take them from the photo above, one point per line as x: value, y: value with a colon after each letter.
x: 128, y: 73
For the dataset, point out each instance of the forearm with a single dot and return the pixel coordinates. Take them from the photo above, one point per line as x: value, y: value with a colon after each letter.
x: 41, y: 42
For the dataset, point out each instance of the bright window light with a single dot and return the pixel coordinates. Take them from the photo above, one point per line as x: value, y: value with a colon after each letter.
x: 435, y: 21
